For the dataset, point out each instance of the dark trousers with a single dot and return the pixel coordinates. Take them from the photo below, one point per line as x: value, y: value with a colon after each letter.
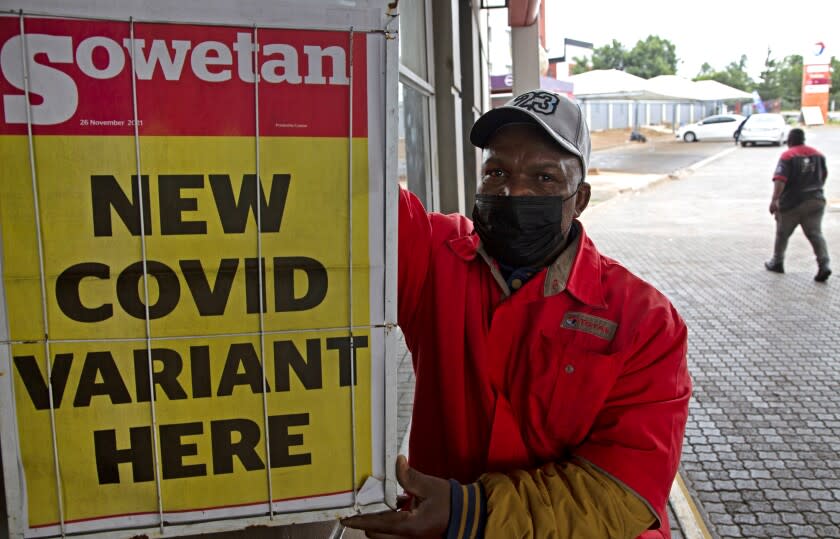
x: 809, y: 216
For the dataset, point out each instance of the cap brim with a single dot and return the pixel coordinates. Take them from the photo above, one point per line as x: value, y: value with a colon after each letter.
x: 483, y: 129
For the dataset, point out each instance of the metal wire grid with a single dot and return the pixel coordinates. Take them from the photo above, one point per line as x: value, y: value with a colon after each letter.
x: 149, y: 338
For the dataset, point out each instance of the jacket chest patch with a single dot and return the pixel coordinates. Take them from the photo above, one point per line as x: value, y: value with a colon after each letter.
x: 600, y: 327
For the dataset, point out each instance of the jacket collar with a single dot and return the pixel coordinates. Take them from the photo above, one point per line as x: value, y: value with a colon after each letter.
x: 576, y: 270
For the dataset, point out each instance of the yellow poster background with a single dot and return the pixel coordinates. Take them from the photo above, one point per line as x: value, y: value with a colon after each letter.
x: 314, y: 225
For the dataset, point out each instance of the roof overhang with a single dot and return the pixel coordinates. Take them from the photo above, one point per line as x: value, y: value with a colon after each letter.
x: 523, y: 12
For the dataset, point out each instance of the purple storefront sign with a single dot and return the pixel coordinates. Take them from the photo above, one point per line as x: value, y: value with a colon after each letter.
x: 504, y: 83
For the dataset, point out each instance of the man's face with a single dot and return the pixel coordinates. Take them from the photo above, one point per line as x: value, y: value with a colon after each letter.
x: 522, y: 160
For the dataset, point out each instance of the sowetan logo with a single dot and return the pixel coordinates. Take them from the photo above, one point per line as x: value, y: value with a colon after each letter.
x: 208, y: 61
x: 542, y: 102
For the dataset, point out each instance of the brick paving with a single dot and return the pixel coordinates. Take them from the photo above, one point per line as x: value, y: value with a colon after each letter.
x: 762, y: 448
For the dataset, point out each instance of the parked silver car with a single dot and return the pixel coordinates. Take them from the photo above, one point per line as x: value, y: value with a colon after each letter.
x: 766, y: 127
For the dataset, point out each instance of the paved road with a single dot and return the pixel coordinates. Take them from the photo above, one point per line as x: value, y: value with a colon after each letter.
x: 634, y: 166
x: 762, y: 449
x: 658, y: 157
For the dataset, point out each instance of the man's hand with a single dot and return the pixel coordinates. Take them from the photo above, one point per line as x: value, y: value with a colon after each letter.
x: 774, y: 206
x: 427, y: 517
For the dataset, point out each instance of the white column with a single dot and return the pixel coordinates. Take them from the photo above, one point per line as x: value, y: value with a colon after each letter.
x: 525, y: 45
x: 609, y: 115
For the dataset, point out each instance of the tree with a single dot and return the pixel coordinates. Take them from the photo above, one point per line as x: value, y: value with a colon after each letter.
x: 651, y: 57
x: 782, y: 79
x: 580, y: 64
x: 735, y: 75
x: 706, y: 72
x: 835, y: 82
x: 612, y: 56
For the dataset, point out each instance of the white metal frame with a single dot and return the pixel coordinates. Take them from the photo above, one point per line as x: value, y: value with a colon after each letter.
x: 9, y: 442
x: 382, y: 77
x: 426, y: 86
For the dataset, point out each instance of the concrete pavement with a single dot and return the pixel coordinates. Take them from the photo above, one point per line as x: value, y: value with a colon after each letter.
x: 761, y: 448
x: 634, y: 167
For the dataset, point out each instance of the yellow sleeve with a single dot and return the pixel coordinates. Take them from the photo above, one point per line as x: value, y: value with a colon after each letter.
x: 562, y: 501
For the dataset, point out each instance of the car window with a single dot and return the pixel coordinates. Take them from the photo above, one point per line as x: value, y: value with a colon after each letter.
x: 711, y: 120
x: 725, y: 120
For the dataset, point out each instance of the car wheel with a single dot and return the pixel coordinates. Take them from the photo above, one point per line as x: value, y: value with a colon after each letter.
x: 743, y: 144
x: 690, y: 137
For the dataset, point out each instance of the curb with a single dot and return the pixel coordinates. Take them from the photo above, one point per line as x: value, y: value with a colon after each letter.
x: 686, y: 512
x: 665, y: 137
x: 700, y: 164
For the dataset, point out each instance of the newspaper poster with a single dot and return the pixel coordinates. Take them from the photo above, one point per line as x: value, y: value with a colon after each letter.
x: 192, y: 270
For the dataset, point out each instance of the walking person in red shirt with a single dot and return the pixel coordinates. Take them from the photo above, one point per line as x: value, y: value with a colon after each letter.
x: 798, y: 200
x: 551, y: 383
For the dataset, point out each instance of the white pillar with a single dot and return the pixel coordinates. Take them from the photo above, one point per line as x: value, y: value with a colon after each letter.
x: 525, y: 48
x: 630, y: 111
x: 647, y: 113
x: 609, y: 115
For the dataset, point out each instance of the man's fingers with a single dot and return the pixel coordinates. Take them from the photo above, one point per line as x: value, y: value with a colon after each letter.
x: 406, y: 502
x: 405, y: 475
x: 412, y: 481
x: 384, y: 522
x: 428, y: 516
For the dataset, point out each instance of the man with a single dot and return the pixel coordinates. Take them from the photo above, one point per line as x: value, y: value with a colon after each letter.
x: 551, y: 383
x: 798, y: 200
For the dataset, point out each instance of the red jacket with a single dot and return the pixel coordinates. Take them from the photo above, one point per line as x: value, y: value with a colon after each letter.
x: 593, y: 366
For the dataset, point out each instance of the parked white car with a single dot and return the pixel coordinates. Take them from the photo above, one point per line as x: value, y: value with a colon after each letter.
x: 718, y: 127
x: 766, y: 127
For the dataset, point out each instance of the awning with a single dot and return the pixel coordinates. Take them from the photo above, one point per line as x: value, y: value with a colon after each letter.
x: 617, y: 84
x: 676, y: 87
x: 608, y: 83
x: 718, y: 91
x: 523, y: 12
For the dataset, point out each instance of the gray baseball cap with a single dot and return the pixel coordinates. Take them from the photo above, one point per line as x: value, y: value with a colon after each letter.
x: 558, y: 115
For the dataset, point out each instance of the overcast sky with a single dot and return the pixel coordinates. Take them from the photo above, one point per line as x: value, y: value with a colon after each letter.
x: 714, y: 31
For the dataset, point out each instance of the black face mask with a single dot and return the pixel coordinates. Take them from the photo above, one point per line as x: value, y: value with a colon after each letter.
x: 520, y: 231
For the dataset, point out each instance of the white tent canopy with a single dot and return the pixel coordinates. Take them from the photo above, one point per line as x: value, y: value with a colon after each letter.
x: 616, y: 84
x: 607, y: 83
x: 721, y: 92
x: 676, y: 87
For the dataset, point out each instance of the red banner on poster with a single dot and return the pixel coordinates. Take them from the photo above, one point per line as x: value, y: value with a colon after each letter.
x: 190, y: 80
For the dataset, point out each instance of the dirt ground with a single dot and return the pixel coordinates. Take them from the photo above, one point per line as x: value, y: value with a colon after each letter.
x: 616, y: 137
